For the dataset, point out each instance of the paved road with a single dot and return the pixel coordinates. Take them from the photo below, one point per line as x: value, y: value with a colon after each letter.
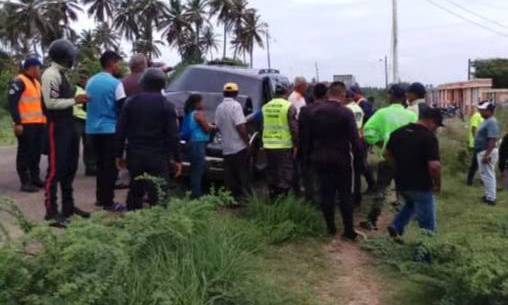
x: 32, y: 205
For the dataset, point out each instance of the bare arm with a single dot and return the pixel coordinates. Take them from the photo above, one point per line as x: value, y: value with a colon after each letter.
x: 201, y: 119
x: 242, y: 130
x: 435, y: 174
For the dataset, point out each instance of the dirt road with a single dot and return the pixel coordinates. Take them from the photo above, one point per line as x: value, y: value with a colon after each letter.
x: 32, y: 205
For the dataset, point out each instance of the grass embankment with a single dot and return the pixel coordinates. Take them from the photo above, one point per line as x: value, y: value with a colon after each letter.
x: 188, y: 253
x: 6, y: 134
x: 466, y: 263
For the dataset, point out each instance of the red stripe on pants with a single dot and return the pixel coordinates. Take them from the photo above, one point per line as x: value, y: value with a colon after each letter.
x: 52, y: 165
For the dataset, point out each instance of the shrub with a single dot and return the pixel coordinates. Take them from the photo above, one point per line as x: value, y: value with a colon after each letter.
x: 182, y: 254
x: 287, y: 219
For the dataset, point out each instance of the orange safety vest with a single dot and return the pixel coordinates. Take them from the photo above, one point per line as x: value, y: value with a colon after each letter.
x: 30, y: 103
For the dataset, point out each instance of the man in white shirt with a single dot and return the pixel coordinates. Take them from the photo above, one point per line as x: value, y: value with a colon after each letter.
x: 297, y: 98
x: 231, y: 123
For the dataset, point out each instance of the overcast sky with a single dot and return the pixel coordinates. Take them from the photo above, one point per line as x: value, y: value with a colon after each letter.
x: 352, y: 36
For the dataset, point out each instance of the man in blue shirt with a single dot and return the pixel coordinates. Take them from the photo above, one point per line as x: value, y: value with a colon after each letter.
x: 486, y: 150
x: 106, y: 93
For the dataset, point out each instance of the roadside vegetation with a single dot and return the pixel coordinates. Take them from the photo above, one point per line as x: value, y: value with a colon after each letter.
x: 190, y: 252
x: 466, y: 262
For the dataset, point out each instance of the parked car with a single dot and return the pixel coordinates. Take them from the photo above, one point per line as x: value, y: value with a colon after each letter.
x: 256, y: 89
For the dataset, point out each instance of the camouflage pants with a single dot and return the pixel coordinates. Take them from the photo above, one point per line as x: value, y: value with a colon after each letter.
x: 385, y: 175
x: 280, y: 170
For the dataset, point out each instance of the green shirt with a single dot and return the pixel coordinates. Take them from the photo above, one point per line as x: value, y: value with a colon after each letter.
x: 79, y: 110
x: 380, y: 126
x: 475, y: 122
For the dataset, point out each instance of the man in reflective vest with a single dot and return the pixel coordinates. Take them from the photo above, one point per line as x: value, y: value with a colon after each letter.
x: 25, y: 103
x: 280, y: 137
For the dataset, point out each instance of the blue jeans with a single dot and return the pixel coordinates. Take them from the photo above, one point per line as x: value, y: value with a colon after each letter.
x: 197, y: 154
x: 422, y: 205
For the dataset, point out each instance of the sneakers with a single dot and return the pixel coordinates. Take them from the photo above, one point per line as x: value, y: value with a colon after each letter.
x: 395, y: 235
x: 368, y: 225
x: 116, y: 207
x: 80, y: 213
x: 29, y: 188
x: 56, y: 221
x: 488, y: 201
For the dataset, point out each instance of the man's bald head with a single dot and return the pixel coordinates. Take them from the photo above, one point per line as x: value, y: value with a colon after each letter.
x: 138, y: 63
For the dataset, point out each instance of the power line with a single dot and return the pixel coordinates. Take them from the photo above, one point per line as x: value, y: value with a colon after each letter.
x: 467, y: 19
x: 470, y: 11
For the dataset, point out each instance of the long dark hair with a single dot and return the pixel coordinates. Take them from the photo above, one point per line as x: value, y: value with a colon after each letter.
x: 192, y: 101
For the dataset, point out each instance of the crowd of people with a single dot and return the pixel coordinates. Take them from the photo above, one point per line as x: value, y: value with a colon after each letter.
x: 316, y: 147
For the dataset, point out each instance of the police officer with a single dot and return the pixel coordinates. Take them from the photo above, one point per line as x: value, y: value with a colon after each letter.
x: 59, y: 99
x: 280, y: 141
x: 148, y: 123
x: 25, y: 105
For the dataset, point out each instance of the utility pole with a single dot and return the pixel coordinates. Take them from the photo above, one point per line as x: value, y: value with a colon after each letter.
x: 469, y: 66
x: 268, y: 48
x: 386, y: 71
x: 317, y: 72
x: 395, y: 44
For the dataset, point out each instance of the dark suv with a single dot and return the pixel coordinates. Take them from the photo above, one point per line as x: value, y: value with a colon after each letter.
x: 256, y: 89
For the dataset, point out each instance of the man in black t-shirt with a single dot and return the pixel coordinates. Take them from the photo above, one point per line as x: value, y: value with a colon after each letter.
x: 414, y: 150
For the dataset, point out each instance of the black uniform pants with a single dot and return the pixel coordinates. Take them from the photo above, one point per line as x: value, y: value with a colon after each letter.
x: 157, y: 188
x: 104, y: 146
x: 473, y: 168
x: 30, y: 145
x: 335, y: 181
x: 63, y: 158
x: 88, y: 151
x: 236, y: 174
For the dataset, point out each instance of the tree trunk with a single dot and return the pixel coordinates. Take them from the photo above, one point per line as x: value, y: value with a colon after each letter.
x: 225, y: 41
x: 252, y: 58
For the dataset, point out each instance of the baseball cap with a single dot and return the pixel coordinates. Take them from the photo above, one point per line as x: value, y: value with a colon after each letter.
x: 30, y: 62
x: 432, y: 114
x: 486, y: 105
x: 231, y: 87
x: 418, y: 89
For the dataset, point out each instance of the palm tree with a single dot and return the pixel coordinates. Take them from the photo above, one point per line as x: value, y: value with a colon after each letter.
x: 26, y: 21
x: 104, y: 36
x: 209, y: 41
x: 87, y: 44
x: 196, y: 13
x: 125, y: 20
x: 59, y: 14
x: 238, y: 10
x: 223, y: 10
x: 250, y: 34
x: 175, y: 27
x: 102, y: 10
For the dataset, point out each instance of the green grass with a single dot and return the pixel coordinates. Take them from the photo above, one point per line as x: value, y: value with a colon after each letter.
x: 468, y: 253
x: 6, y: 133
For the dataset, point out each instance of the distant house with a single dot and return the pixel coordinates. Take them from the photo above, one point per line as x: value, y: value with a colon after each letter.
x: 348, y: 79
x: 466, y: 94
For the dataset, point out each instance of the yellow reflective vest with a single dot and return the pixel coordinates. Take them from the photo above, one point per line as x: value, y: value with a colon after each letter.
x: 79, y: 110
x: 276, y: 131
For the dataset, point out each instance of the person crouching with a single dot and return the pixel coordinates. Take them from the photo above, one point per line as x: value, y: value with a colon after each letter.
x: 148, y: 123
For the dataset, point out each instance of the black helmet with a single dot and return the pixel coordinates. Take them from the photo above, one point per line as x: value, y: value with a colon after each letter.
x: 153, y: 79
x: 63, y: 52
x: 281, y: 89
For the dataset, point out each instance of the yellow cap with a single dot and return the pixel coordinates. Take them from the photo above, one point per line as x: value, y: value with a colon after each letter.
x: 231, y: 87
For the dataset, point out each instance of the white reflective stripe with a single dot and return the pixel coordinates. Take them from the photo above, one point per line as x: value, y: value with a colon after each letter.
x: 275, y: 128
x: 32, y: 115
x: 29, y: 100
